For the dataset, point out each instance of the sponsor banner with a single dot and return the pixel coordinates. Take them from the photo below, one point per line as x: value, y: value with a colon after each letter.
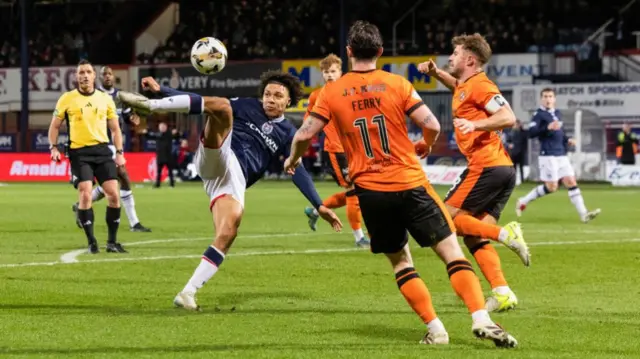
x: 40, y: 141
x: 7, y: 142
x: 613, y: 99
x: 623, y: 175
x: 511, y: 70
x: 46, y: 84
x: 235, y: 80
x: 309, y: 73
x: 506, y: 70
x: 38, y: 167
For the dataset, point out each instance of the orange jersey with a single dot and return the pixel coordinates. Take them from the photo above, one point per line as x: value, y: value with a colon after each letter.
x: 477, y: 99
x: 331, y: 139
x: 368, y: 110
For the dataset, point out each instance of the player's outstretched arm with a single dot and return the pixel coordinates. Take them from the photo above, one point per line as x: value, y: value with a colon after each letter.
x: 303, y: 181
x: 430, y: 68
x: 301, y: 140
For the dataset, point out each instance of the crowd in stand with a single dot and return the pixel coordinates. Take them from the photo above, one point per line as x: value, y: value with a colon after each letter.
x: 290, y: 29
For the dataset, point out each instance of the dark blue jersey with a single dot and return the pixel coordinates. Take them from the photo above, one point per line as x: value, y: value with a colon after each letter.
x: 257, y: 140
x: 552, y: 142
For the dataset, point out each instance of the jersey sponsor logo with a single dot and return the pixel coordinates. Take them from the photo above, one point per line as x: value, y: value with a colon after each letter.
x: 267, y: 128
x: 462, y: 95
x: 271, y: 144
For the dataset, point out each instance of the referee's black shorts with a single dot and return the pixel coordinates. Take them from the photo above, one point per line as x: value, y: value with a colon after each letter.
x: 92, y: 161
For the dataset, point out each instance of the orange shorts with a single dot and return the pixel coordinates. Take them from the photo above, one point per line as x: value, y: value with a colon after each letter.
x: 336, y: 164
x: 482, y: 190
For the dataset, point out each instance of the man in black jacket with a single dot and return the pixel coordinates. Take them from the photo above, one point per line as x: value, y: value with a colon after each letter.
x: 164, y: 156
x: 518, y: 142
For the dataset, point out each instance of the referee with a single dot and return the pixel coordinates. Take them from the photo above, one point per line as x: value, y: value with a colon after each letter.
x: 87, y: 114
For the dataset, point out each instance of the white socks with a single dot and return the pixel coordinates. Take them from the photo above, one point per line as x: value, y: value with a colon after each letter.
x: 537, y: 192
x: 208, y: 266
x: 502, y: 290
x: 436, y: 326
x: 358, y: 234
x: 481, y: 316
x: 129, y: 207
x: 97, y: 194
x: 504, y: 234
x: 179, y: 103
x: 576, y: 198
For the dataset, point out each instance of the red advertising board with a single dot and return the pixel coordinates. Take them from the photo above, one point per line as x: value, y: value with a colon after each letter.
x: 38, y: 167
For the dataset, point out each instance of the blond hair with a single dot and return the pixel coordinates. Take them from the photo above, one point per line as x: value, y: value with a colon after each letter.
x: 331, y: 59
x: 476, y: 44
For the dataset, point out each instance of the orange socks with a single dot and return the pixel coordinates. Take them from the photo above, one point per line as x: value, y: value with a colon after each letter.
x: 470, y: 226
x: 466, y: 284
x: 353, y: 211
x: 336, y: 200
x: 489, y: 262
x: 416, y: 293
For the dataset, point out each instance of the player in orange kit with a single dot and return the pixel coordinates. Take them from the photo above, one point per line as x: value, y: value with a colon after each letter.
x: 368, y: 107
x: 479, y: 195
x: 335, y: 160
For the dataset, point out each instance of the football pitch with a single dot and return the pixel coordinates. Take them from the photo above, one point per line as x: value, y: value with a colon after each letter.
x: 287, y: 292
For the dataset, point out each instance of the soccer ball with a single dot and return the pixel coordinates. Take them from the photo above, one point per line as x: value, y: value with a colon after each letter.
x: 208, y: 55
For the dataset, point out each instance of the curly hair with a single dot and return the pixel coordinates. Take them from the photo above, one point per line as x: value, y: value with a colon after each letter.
x: 291, y: 82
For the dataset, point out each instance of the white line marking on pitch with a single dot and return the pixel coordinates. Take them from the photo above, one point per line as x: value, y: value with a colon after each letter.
x: 291, y: 252
x: 72, y: 257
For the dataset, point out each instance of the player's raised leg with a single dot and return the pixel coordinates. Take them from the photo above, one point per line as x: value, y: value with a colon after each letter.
x: 473, y: 193
x: 488, y: 260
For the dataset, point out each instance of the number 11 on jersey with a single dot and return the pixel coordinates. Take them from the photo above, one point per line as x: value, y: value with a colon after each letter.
x: 379, y: 121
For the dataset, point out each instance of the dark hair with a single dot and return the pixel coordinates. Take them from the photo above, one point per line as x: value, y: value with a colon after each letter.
x: 287, y: 80
x: 84, y: 62
x: 364, y: 39
x: 547, y: 89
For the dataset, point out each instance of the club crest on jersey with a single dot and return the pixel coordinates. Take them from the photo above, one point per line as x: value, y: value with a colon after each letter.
x: 462, y: 95
x: 267, y: 128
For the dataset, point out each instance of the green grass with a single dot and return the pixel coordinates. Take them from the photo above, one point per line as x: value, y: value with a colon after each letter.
x: 578, y: 300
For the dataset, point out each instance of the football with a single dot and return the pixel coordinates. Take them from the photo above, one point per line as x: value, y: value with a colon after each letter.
x: 208, y: 55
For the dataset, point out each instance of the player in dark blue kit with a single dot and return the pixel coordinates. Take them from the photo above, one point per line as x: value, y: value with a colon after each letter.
x: 241, y: 138
x: 554, y: 163
x: 126, y: 195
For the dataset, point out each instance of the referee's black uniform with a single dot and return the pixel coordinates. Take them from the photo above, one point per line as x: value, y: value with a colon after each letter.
x: 86, y: 116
